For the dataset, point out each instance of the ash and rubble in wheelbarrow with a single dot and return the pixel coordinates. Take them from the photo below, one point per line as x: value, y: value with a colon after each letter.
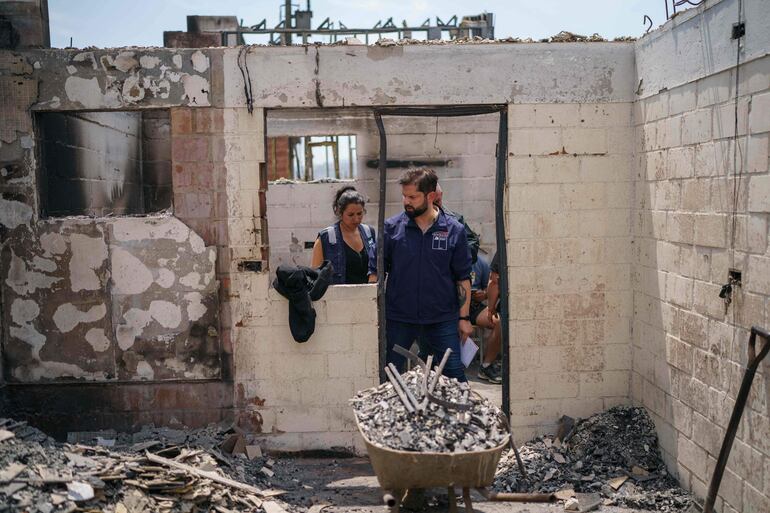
x: 386, y: 420
x: 614, y: 454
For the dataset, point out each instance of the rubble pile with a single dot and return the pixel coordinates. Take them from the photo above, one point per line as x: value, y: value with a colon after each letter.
x: 385, y: 421
x: 614, y: 454
x: 155, y: 470
x: 562, y: 37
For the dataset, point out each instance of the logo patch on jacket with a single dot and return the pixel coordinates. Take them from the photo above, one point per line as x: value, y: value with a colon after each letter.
x: 440, y: 240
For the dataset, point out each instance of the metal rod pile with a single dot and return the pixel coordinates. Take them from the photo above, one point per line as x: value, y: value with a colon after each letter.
x: 424, y: 411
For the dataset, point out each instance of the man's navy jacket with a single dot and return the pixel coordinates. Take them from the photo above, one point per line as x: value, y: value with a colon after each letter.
x: 423, y: 269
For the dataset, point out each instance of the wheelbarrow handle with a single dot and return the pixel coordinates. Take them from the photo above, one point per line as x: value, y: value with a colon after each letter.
x: 735, y: 418
x: 754, y: 358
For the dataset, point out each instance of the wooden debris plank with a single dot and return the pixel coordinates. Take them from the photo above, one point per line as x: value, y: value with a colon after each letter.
x: 6, y: 435
x: 204, y: 473
x: 11, y: 471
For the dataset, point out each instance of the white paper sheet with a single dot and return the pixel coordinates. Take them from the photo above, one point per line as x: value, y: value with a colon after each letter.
x: 468, y: 350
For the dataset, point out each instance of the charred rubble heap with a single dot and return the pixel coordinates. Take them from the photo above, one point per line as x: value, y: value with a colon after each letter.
x: 448, y: 418
x: 155, y: 470
x: 614, y: 454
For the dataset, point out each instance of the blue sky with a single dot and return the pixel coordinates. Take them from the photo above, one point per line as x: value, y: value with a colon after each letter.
x: 109, y: 23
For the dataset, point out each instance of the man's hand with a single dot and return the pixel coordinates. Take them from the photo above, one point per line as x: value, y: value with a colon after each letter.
x: 465, y: 329
x: 478, y: 295
x: 492, y: 316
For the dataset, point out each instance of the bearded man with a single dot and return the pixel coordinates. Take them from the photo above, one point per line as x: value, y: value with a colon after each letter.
x: 428, y: 268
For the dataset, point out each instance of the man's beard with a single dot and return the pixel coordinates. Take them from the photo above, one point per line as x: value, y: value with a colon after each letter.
x: 416, y: 211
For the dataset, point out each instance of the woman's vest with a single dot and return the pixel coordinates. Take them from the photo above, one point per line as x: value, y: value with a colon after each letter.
x: 334, y: 248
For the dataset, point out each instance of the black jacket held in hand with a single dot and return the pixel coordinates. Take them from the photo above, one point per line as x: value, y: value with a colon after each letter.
x: 301, y: 285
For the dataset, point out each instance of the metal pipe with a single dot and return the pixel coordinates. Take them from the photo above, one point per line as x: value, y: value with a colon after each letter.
x: 735, y: 419
x: 502, y: 254
x: 439, y: 370
x: 515, y: 497
x: 381, y: 319
x: 403, y: 386
x: 397, y: 388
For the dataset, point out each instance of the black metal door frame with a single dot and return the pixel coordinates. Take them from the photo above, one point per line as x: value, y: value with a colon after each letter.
x: 501, y: 157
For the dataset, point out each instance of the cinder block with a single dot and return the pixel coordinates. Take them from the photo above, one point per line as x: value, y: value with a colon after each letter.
x: 706, y: 369
x: 746, y: 461
x: 759, y: 194
x: 695, y: 195
x: 346, y: 312
x: 601, y: 115
x: 294, y: 419
x: 731, y: 489
x: 707, y: 300
x: 681, y: 163
x: 326, y: 391
x: 535, y: 141
x: 605, y: 168
x: 655, y: 107
x: 682, y: 417
x: 692, y: 328
x: 582, y: 196
x: 604, y: 384
x: 556, y: 169
x: 679, y: 290
x: 724, y: 123
x: 714, y: 158
x: 622, y: 140
x: 347, y: 365
x: 758, y: 275
x: 717, y: 88
x: 757, y: 153
x: 679, y: 354
x: 544, y: 115
x: 711, y: 230
x: 759, y: 119
x: 668, y: 132
x: 534, y: 197
x: 696, y: 126
x: 590, y: 141
x: 556, y: 385
x: 680, y: 227
x: 692, y: 456
x: 682, y: 99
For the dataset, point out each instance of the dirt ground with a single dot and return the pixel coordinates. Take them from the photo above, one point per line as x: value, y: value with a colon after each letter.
x: 349, y: 485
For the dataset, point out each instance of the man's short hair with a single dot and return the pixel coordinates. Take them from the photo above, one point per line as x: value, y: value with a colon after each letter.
x: 424, y: 178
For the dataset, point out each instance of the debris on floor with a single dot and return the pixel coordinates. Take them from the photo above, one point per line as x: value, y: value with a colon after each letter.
x: 155, y: 470
x: 614, y: 454
x: 455, y: 420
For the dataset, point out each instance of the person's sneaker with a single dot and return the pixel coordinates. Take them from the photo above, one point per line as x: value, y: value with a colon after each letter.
x: 491, y: 374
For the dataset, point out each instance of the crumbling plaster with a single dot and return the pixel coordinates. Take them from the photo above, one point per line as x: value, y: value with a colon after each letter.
x: 109, y: 299
x: 122, y: 78
x: 340, y: 76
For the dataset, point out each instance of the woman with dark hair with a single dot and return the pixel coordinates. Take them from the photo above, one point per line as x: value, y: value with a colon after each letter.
x: 348, y: 244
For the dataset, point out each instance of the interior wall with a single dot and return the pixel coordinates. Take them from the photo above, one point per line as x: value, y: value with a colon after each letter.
x: 568, y: 199
x: 693, y: 222
x: 297, y: 211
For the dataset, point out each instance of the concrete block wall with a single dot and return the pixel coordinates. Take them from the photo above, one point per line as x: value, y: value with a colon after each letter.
x: 693, y: 222
x: 295, y: 394
x: 568, y: 218
x: 468, y: 179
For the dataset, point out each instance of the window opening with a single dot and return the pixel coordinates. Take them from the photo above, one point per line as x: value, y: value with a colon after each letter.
x: 104, y: 163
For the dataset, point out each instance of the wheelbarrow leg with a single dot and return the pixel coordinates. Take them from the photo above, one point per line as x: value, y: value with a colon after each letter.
x: 452, y: 499
x: 467, y: 500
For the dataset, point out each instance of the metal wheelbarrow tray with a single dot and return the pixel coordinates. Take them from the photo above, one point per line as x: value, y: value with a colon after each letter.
x: 398, y: 471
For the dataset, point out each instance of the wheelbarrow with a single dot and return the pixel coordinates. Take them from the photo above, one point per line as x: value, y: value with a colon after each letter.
x: 398, y: 471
